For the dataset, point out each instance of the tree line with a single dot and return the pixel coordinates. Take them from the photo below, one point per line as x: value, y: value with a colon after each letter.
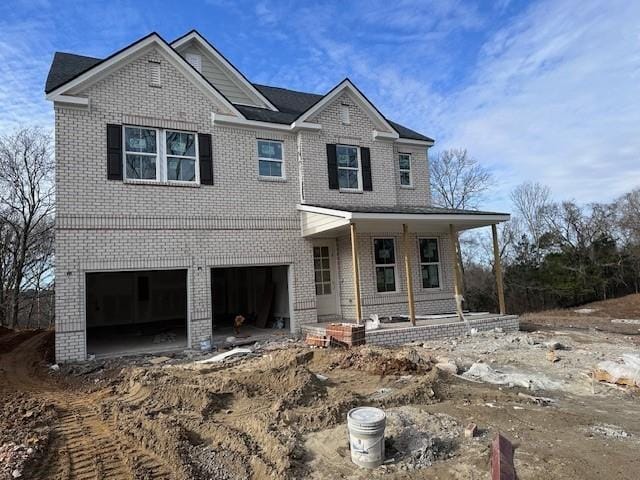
x: 555, y: 254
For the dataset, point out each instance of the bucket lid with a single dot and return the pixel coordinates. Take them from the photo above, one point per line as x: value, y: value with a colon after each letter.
x: 366, y: 416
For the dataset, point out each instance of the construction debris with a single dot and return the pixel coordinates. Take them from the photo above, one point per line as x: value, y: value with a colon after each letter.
x: 223, y: 356
x: 552, y: 356
x: 471, y: 430
x: 532, y: 381
x: 316, y: 340
x: 626, y: 373
x: 502, y: 459
x: 542, y: 401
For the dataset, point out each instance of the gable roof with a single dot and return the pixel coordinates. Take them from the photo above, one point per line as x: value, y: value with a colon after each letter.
x: 290, y: 104
x: 120, y: 57
x: 237, y: 76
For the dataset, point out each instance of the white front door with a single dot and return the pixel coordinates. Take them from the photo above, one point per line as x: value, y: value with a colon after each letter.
x: 324, y: 267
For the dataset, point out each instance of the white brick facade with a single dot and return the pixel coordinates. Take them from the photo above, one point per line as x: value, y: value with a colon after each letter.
x: 105, y: 225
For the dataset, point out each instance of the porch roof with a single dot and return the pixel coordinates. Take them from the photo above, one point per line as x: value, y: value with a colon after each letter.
x: 323, y: 220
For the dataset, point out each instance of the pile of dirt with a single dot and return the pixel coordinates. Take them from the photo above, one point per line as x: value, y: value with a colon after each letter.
x: 381, y: 361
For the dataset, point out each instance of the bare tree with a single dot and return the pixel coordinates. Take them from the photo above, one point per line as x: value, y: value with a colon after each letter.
x: 26, y: 217
x: 531, y: 202
x: 457, y: 180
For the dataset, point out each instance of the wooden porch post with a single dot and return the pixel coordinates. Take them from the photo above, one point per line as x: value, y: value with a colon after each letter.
x: 407, y: 269
x: 498, y: 268
x: 457, y: 284
x: 356, y: 272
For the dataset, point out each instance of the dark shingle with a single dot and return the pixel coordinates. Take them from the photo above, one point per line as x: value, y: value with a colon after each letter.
x: 290, y: 103
x: 66, y: 66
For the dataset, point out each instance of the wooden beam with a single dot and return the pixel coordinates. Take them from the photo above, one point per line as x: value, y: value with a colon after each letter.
x: 502, y: 467
x: 457, y: 272
x: 356, y: 272
x: 407, y: 269
x: 498, y: 269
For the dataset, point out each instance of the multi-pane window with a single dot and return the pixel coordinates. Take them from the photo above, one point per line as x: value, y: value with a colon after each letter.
x: 385, y: 262
x: 160, y: 155
x: 430, y: 263
x: 270, y: 158
x: 404, y: 163
x: 181, y: 156
x: 141, y: 153
x: 348, y: 158
x: 322, y: 270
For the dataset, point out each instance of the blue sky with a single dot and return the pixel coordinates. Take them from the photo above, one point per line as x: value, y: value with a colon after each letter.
x: 546, y: 91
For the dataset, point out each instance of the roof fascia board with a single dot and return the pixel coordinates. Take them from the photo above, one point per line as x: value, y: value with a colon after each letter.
x: 115, y: 60
x: 411, y: 141
x: 326, y: 211
x: 71, y: 100
x: 220, y: 119
x: 237, y: 74
x: 452, y: 218
x: 337, y: 90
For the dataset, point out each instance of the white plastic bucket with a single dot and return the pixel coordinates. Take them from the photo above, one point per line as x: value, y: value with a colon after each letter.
x: 366, y: 436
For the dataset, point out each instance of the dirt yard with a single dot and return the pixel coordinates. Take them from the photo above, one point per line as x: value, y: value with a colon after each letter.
x: 280, y: 412
x: 617, y: 315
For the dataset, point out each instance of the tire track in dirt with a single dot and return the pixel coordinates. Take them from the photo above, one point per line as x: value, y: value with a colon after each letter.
x: 83, y: 446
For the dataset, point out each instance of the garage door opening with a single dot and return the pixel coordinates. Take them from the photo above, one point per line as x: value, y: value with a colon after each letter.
x: 259, y: 294
x: 136, y: 312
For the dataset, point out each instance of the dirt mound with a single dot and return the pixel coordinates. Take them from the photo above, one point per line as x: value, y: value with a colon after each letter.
x: 379, y: 361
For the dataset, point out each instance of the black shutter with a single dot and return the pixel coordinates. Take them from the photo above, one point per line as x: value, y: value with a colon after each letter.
x: 206, y: 159
x: 332, y: 166
x: 114, y: 152
x: 365, y: 158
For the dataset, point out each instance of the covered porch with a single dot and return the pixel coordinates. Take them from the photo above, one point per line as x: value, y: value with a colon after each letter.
x: 394, y: 261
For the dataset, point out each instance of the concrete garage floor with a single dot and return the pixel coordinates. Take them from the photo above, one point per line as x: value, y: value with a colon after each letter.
x: 113, y: 343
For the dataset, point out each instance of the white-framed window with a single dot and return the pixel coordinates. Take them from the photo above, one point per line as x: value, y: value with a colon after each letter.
x: 182, y: 156
x: 429, y: 262
x: 270, y: 158
x: 141, y: 153
x: 404, y: 165
x: 349, y: 167
x: 157, y: 155
x: 384, y: 254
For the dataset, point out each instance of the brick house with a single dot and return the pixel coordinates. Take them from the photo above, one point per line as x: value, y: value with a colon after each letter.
x: 187, y: 195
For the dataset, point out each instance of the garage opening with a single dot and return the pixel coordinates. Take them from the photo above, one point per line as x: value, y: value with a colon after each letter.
x: 136, y: 312
x: 259, y: 294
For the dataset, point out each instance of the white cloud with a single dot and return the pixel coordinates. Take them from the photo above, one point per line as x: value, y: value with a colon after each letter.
x: 556, y: 99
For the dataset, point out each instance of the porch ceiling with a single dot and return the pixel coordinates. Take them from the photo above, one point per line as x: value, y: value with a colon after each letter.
x: 325, y: 220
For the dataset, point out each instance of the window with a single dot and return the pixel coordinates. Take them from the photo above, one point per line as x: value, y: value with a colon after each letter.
x: 157, y: 155
x: 322, y: 270
x: 430, y: 263
x: 349, y: 175
x: 270, y: 158
x: 181, y: 156
x: 385, y: 261
x: 404, y: 162
x: 141, y: 153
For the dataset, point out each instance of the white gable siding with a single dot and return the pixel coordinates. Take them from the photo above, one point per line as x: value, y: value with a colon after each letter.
x: 216, y: 73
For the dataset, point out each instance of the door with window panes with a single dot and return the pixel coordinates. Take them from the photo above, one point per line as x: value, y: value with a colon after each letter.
x: 324, y: 270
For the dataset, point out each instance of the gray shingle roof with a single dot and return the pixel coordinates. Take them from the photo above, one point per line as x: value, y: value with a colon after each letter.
x: 405, y: 210
x: 290, y: 103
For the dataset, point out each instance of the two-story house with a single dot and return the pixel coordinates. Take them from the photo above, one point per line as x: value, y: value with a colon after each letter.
x: 187, y: 195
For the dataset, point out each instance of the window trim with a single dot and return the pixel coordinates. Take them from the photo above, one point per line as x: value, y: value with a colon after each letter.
x: 394, y: 265
x: 161, y: 157
x: 438, y: 263
x: 157, y: 155
x: 264, y: 159
x: 196, y: 181
x: 401, y: 170
x: 359, y: 168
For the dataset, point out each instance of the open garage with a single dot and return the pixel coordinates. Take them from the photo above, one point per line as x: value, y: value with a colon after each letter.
x: 136, y: 311
x: 260, y: 295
